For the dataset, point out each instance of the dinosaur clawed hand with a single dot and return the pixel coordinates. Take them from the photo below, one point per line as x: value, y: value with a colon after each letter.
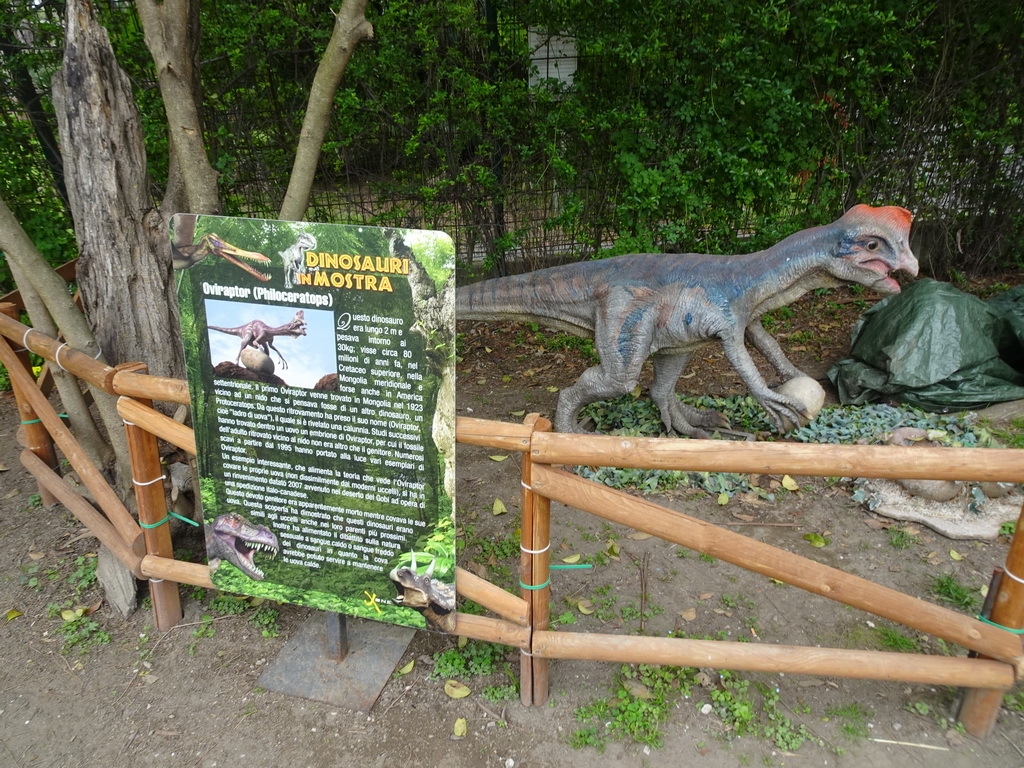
x: 690, y: 421
x: 783, y: 411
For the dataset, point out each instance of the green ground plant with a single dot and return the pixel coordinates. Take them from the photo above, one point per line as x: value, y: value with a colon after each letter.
x: 948, y: 589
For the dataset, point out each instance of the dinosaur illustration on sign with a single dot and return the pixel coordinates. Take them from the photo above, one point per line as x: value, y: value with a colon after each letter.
x: 233, y: 538
x: 185, y: 256
x: 258, y: 334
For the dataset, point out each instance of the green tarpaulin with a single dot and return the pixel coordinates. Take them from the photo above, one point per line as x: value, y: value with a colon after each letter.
x: 937, y: 348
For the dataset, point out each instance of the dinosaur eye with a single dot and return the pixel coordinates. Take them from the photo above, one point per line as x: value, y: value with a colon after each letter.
x: 873, y: 245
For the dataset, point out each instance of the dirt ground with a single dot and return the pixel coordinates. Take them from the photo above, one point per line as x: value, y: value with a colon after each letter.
x: 191, y: 696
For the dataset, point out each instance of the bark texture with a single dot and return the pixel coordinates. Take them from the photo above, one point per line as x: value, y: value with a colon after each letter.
x: 350, y: 26
x: 124, y: 251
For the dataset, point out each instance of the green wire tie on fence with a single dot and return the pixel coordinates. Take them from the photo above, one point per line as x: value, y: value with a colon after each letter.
x: 551, y: 568
x: 36, y: 421
x: 989, y: 621
x: 169, y: 516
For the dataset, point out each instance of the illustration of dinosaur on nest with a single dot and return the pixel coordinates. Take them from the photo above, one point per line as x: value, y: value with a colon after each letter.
x: 258, y: 334
x: 670, y: 305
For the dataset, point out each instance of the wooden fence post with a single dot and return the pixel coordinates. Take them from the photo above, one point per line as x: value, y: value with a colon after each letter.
x: 980, y: 706
x: 534, y: 573
x: 148, y: 479
x: 37, y: 438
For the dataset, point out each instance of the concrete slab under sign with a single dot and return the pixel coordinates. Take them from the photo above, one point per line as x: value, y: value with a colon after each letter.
x: 306, y: 669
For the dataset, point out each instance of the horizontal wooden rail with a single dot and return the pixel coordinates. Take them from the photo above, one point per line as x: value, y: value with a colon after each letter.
x: 505, y: 604
x: 128, y: 552
x: 816, y: 459
x: 155, y: 422
x: 777, y: 563
x: 68, y: 358
x: 150, y: 387
x: 494, y: 434
x: 788, y: 659
x: 492, y: 630
x: 475, y: 627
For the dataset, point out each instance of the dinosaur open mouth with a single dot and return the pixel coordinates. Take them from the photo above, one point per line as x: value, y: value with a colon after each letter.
x: 885, y: 282
x: 242, y: 265
x: 247, y: 551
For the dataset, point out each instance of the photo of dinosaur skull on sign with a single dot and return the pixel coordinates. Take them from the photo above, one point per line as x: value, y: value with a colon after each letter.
x: 670, y: 305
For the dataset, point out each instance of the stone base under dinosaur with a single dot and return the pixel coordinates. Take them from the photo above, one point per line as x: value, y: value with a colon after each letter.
x: 953, y: 519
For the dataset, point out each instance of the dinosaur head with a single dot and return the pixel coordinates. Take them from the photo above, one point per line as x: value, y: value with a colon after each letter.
x: 184, y: 256
x: 237, y: 540
x: 434, y: 599
x: 874, y: 242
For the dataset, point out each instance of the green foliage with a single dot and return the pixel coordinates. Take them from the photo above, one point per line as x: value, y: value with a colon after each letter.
x: 949, y: 590
x: 474, y: 659
x: 82, y: 634
x: 640, y: 702
x: 894, y: 640
x: 899, y: 538
x: 854, y: 719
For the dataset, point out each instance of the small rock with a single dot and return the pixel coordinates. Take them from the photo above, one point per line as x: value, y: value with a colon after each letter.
x: 934, y: 490
x: 997, y: 490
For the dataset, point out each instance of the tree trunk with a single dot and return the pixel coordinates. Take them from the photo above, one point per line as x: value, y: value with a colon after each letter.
x: 350, y: 26
x: 171, y: 30
x: 124, y: 250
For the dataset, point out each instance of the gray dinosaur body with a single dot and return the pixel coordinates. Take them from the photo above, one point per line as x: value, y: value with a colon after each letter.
x: 669, y: 305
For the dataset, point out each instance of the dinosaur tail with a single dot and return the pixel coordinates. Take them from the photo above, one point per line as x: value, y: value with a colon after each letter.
x: 545, y: 293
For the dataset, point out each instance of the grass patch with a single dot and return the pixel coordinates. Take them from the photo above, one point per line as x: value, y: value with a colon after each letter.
x: 949, y: 590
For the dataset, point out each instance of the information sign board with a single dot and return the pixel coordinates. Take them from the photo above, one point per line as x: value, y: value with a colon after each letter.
x: 321, y: 371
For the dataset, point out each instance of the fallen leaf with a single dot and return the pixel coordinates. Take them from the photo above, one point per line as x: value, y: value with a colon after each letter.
x: 552, y: 389
x: 706, y: 596
x: 70, y: 615
x: 460, y: 728
x: 585, y: 607
x: 689, y: 614
x: 637, y: 689
x: 638, y: 536
x: 816, y: 539
x: 487, y: 350
x: 456, y: 690
x: 789, y: 483
x: 613, y: 548
x: 499, y: 507
x: 13, y: 614
x: 407, y: 668
x: 498, y: 458
x: 3, y: 467
x: 517, y: 413
x: 571, y: 559
x: 11, y: 493
x: 36, y: 555
x: 722, y: 612
x: 745, y: 518
x: 723, y: 498
x: 955, y: 555
x: 462, y: 642
x: 92, y: 608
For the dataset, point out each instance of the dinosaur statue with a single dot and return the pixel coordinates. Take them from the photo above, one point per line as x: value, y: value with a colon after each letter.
x: 294, y: 258
x: 233, y: 538
x: 434, y: 599
x: 184, y: 256
x: 258, y: 334
x: 670, y: 305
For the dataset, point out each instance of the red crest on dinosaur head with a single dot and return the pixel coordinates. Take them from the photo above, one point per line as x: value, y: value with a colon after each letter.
x: 890, y: 216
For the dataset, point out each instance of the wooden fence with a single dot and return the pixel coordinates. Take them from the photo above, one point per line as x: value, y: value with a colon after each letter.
x: 996, y: 660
